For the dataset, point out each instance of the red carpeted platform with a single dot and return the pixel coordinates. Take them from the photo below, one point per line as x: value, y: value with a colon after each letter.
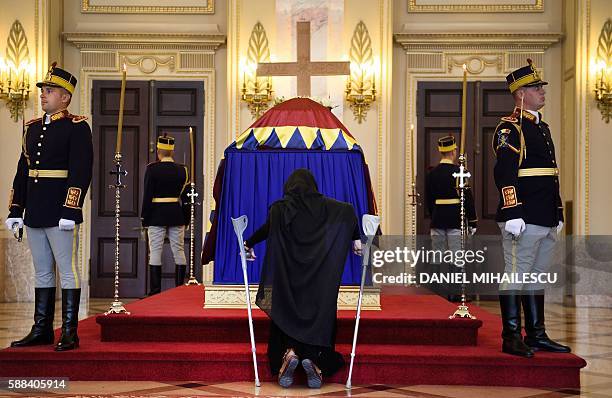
x: 171, y: 337
x: 178, y: 316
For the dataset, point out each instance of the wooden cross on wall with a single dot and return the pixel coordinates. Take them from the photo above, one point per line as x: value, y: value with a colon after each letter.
x: 303, y: 68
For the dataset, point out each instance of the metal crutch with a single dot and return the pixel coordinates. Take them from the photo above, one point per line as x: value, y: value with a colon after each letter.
x: 370, y: 225
x: 240, y: 225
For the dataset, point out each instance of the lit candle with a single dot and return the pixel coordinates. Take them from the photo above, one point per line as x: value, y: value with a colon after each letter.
x: 412, y: 144
x: 463, y: 110
x: 121, y: 102
x: 192, y: 144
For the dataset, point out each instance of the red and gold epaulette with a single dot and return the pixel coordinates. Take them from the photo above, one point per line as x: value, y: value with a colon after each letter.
x: 33, y: 121
x: 77, y: 118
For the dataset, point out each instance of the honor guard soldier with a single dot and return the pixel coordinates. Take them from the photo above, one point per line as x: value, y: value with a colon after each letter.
x: 52, y: 179
x: 530, y: 211
x: 443, y: 201
x: 165, y: 209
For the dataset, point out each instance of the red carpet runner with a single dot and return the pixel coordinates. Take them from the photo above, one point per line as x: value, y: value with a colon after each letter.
x: 171, y: 337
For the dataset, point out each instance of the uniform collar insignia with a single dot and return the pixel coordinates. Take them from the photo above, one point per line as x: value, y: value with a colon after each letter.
x: 59, y: 115
x: 527, y: 115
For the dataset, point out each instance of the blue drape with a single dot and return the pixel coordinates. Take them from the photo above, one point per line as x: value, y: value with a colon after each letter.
x: 254, y: 179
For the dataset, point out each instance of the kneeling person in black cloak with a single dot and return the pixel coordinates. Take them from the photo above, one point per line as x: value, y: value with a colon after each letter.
x: 308, y: 239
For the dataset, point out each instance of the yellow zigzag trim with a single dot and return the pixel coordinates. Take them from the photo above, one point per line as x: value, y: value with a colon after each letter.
x: 284, y: 134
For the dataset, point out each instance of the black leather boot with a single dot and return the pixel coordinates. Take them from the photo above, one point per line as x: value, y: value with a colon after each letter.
x: 510, y: 304
x: 179, y: 274
x: 154, y: 279
x: 44, y: 312
x: 69, y: 340
x: 536, y: 337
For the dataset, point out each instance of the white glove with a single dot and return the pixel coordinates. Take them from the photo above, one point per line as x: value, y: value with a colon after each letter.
x: 515, y: 226
x: 560, y: 227
x: 472, y: 231
x: 14, y: 223
x: 66, y: 225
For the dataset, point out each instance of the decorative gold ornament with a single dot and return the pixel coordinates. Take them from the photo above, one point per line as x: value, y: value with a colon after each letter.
x: 256, y: 92
x: 481, y: 6
x: 361, y: 85
x: 603, y: 71
x: 232, y: 296
x: 127, y: 7
x: 15, y: 71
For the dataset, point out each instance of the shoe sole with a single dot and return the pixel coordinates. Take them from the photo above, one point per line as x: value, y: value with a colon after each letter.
x: 313, y: 379
x: 286, y: 379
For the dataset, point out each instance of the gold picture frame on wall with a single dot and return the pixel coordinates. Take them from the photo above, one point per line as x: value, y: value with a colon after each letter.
x: 144, y: 7
x: 477, y: 6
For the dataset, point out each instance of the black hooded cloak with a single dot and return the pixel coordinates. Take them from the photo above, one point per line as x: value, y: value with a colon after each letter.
x: 308, y: 239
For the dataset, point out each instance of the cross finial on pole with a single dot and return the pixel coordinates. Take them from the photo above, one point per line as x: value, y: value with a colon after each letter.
x: 463, y: 176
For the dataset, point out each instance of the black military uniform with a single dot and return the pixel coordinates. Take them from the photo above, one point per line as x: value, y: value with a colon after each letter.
x: 527, y: 178
x: 524, y: 150
x: 442, y: 197
x: 442, y: 193
x: 165, y: 201
x: 50, y: 185
x: 165, y: 210
x: 53, y: 176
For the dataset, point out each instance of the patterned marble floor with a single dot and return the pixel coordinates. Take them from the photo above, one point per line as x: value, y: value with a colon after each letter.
x: 587, y: 330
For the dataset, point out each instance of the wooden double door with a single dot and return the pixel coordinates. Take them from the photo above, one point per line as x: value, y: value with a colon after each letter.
x: 151, y: 109
x: 439, y: 114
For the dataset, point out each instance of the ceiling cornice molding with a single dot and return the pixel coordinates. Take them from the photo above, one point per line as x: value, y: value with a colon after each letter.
x: 142, y: 40
x: 411, y: 41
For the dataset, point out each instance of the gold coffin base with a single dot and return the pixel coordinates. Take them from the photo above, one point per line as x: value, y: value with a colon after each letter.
x: 232, y: 296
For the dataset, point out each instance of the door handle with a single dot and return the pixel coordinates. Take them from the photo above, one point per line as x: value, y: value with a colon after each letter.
x: 151, y: 147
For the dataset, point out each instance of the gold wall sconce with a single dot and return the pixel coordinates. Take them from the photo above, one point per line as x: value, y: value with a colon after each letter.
x: 256, y: 91
x: 360, y: 90
x: 15, y: 71
x: 603, y: 72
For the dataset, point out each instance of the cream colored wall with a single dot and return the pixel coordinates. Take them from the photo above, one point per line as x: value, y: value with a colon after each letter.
x: 600, y: 133
x: 568, y: 98
x: 587, y: 137
x: 550, y: 20
x: 10, y: 130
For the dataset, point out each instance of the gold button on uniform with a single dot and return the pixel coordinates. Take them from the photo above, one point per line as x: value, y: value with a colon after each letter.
x: 39, y: 144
